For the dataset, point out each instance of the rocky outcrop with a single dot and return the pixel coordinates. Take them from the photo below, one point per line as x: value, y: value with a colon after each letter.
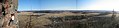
x: 8, y: 8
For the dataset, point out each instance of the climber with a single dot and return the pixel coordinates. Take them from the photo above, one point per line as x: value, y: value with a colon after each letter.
x: 12, y: 19
x: 12, y: 16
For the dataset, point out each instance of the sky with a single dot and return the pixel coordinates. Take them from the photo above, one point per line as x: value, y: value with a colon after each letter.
x: 25, y: 5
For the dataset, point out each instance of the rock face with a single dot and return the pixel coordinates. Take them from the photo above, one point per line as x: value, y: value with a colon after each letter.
x: 8, y: 8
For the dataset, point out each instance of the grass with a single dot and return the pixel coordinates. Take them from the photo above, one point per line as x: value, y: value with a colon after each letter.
x: 67, y: 20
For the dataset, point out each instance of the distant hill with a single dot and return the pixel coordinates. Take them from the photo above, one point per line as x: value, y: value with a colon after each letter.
x: 60, y: 11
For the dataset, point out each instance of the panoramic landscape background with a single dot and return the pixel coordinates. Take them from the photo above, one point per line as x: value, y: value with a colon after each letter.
x: 68, y: 13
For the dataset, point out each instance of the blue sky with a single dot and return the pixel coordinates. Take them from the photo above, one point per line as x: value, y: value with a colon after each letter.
x: 68, y: 5
x: 46, y: 4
